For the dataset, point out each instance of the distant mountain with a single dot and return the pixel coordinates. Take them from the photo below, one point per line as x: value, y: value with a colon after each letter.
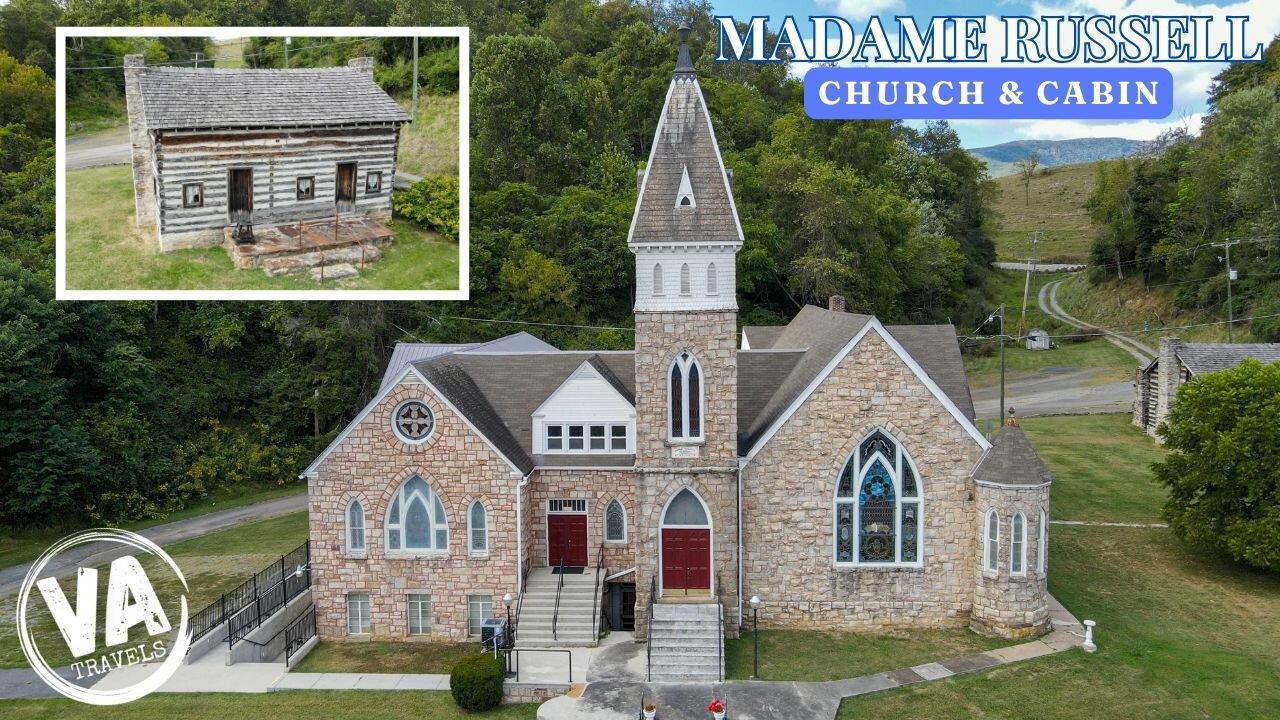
x: 1000, y: 158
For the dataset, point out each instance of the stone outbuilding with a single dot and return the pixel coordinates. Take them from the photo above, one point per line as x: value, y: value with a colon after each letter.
x: 1178, y: 362
x: 217, y: 149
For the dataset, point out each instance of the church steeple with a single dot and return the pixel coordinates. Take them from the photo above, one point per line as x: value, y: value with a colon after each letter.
x: 685, y: 231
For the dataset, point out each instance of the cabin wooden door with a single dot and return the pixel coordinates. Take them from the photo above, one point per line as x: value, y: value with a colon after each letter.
x: 345, y: 197
x: 240, y: 196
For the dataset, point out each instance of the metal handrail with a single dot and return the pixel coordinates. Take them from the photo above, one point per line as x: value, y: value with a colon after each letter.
x: 648, y: 643
x: 720, y: 629
x: 595, y: 606
x: 555, y: 617
x: 516, y: 652
x: 289, y: 643
x: 233, y: 601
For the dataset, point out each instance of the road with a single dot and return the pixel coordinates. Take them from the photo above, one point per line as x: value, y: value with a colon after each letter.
x: 1040, y: 267
x: 111, y: 147
x: 1056, y: 391
x: 1048, y: 300
x: 98, y: 553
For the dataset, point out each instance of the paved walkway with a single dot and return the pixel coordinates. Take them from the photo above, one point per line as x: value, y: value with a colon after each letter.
x: 360, y: 681
x: 95, y: 554
x: 618, y: 699
x: 1090, y: 523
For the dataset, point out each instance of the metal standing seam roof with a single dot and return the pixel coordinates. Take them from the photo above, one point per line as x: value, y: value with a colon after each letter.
x: 176, y: 97
x: 407, y: 353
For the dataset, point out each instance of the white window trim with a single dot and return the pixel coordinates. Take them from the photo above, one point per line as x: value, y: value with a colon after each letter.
x: 368, y: 605
x: 625, y: 530
x: 1018, y: 542
x: 895, y: 474
x: 989, y: 557
x: 405, y: 552
x: 686, y: 280
x: 684, y: 400
x: 1042, y: 545
x: 431, y: 612
x: 713, y: 279
x: 658, y: 280
x: 395, y: 422
x: 486, y: 617
x: 562, y: 511
x: 586, y: 437
x: 471, y: 529
x: 363, y: 550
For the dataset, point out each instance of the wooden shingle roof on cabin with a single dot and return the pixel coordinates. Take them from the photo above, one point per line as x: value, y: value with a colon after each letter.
x: 1201, y: 358
x: 175, y: 97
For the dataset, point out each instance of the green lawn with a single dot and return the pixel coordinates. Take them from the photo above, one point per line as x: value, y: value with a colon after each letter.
x: 22, y: 546
x: 799, y: 655
x: 1056, y: 210
x: 330, y: 705
x: 381, y: 657
x: 429, y: 144
x: 212, y: 564
x: 1181, y: 635
x: 105, y: 251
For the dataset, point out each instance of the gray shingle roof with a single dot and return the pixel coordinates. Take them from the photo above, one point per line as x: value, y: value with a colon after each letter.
x: 1202, y: 358
x: 937, y: 350
x: 175, y: 97
x: 685, y: 139
x: 1012, y: 461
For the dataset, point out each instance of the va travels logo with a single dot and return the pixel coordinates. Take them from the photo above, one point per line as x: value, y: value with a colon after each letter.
x: 131, y: 600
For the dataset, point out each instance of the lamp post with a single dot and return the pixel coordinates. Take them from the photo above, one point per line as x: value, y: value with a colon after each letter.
x: 756, y: 602
x: 507, y: 600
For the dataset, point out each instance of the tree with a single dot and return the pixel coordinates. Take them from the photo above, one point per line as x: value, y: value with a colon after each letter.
x: 1026, y: 171
x: 1224, y: 487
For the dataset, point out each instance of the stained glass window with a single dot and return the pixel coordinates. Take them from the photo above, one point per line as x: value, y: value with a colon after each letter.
x: 615, y: 522
x: 685, y: 398
x: 355, y: 527
x: 479, y: 528
x: 414, y: 421
x: 416, y: 519
x: 877, y: 505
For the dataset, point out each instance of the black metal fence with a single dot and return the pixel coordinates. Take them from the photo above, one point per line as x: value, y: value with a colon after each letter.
x: 299, y: 632
x: 257, y: 598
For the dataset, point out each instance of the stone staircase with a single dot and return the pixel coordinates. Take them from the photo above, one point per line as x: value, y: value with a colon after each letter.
x: 326, y: 250
x: 578, y: 606
x: 685, y: 643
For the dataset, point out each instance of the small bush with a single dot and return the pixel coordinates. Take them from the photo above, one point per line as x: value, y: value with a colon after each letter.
x: 433, y: 202
x: 476, y: 682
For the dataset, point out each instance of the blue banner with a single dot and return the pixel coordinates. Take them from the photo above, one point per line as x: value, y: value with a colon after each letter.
x: 989, y: 93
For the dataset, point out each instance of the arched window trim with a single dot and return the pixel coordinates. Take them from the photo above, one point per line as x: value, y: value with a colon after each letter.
x: 354, y: 537
x: 682, y: 365
x: 657, y: 280
x: 862, y: 468
x: 713, y: 283
x: 438, y: 521
x: 483, y: 548
x: 686, y: 283
x: 1042, y: 545
x: 622, y: 510
x: 990, y: 544
x: 1018, y: 545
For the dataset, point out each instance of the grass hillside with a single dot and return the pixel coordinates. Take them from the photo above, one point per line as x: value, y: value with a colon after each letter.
x: 1001, y: 159
x: 1056, y: 209
x: 1126, y: 306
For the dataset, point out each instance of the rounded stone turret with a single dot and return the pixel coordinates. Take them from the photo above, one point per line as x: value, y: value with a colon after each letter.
x: 1011, y: 494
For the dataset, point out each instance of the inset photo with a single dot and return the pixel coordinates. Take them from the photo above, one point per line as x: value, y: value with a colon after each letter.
x: 262, y: 163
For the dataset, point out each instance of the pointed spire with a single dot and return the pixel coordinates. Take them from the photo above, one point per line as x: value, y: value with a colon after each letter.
x: 683, y: 63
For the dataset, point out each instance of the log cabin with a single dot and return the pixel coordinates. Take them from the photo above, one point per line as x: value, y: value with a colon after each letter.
x: 248, y: 149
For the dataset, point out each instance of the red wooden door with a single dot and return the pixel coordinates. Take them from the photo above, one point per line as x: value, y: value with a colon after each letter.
x: 686, y: 559
x: 567, y: 540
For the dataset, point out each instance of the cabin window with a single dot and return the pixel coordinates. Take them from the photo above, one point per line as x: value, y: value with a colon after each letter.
x: 193, y: 195
x: 373, y: 182
x: 307, y: 188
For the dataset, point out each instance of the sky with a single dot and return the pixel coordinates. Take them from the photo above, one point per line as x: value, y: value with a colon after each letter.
x: 1191, y: 80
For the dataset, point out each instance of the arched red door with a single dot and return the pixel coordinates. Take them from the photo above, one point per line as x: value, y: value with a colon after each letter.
x: 686, y: 545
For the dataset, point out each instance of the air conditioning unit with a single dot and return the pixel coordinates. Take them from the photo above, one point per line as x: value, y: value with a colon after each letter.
x: 491, y: 628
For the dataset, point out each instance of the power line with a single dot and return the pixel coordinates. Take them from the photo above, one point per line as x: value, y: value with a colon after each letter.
x: 1103, y: 332
x: 538, y: 324
x: 224, y: 57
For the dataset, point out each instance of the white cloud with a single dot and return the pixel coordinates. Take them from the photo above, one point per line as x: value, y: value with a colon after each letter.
x: 855, y: 10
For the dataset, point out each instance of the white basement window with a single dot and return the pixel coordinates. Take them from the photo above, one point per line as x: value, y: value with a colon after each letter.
x: 587, y: 438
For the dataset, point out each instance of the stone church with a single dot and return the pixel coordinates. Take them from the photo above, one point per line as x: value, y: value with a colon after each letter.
x: 831, y: 467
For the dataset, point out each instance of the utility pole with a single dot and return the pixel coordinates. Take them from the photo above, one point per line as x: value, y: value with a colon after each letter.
x: 999, y: 312
x: 1026, y: 288
x: 287, y: 41
x: 1231, y: 276
x: 415, y: 78
x: 195, y: 57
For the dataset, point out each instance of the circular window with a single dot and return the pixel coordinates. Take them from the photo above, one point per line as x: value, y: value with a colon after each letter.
x: 414, y: 421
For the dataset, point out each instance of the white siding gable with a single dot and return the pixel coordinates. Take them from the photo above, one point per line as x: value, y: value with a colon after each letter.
x: 585, y: 397
x: 720, y: 295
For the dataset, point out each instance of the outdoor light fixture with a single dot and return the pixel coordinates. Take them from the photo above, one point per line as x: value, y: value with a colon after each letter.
x: 508, y: 600
x: 755, y: 603
x: 300, y: 570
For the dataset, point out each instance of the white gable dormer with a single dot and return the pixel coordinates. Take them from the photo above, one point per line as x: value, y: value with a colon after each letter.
x: 585, y: 400
x: 684, y: 195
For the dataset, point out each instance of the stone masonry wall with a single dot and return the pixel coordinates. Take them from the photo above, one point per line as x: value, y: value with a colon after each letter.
x: 1005, y: 604
x: 144, y: 197
x: 789, y: 488
x: 370, y: 464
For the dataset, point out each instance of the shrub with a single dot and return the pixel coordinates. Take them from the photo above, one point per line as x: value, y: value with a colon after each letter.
x: 1224, y: 490
x: 476, y: 682
x: 433, y: 202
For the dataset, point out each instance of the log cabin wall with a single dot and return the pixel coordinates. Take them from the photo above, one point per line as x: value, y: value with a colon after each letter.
x: 278, y: 158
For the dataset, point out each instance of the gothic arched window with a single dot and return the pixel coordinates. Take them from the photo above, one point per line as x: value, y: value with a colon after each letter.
x: 1018, y: 546
x: 685, y: 288
x: 877, y: 505
x: 615, y: 522
x: 416, y: 519
x: 991, y: 548
x: 684, y: 399
x: 657, y: 278
x: 478, y: 527
x: 1042, y: 547
x: 712, y: 286
x: 355, y: 527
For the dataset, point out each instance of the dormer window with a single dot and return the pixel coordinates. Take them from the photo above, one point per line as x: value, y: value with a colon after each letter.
x: 586, y: 438
x: 684, y: 196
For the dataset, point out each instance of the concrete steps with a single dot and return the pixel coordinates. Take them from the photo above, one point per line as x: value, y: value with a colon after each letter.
x: 578, y: 608
x: 685, y: 643
x: 352, y: 256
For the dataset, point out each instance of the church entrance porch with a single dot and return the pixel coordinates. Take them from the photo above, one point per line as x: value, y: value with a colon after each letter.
x: 686, y: 547
x: 567, y: 533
